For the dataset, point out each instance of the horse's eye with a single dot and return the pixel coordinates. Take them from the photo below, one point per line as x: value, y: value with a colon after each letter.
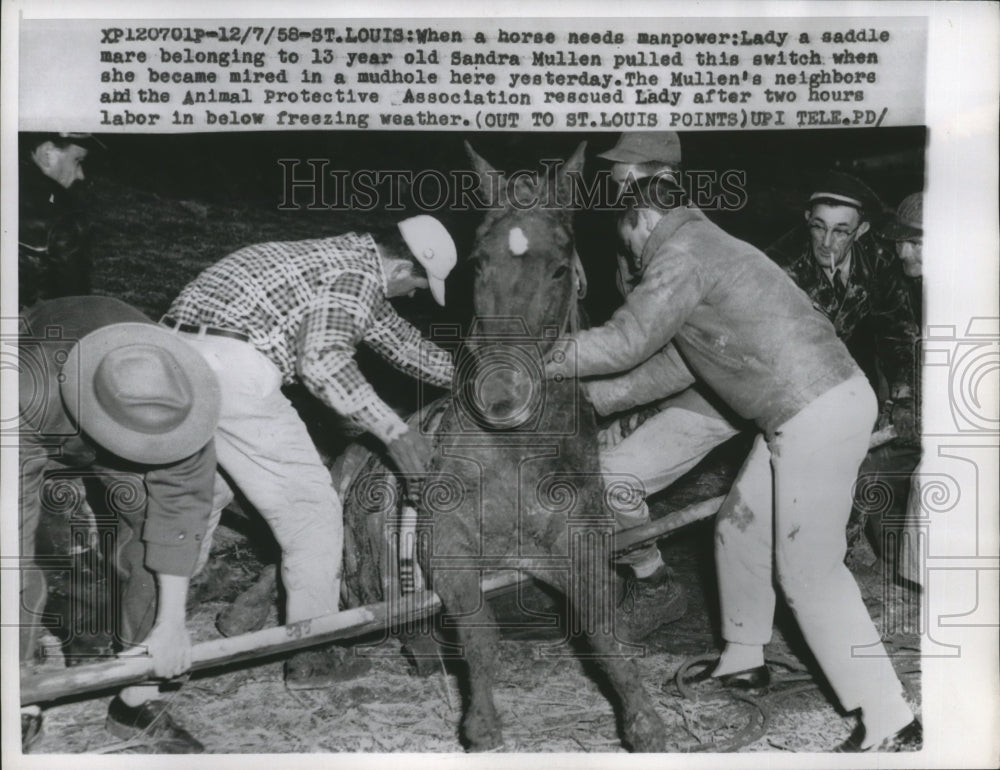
x: 560, y: 271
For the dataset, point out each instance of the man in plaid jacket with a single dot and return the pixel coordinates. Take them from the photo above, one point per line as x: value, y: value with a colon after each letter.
x: 275, y: 313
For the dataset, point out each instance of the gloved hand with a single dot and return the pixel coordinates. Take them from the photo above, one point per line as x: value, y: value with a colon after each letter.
x: 410, y: 452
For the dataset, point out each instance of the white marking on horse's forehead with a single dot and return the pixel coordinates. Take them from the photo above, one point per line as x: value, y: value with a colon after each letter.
x: 517, y: 241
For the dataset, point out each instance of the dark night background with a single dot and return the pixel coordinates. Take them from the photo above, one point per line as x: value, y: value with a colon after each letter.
x: 224, y: 169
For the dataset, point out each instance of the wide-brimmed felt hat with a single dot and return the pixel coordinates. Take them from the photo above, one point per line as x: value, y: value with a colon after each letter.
x: 141, y: 392
x: 908, y: 221
x: 433, y: 247
x: 646, y: 147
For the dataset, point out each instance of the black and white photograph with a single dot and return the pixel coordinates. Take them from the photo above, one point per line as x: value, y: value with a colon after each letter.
x: 400, y: 395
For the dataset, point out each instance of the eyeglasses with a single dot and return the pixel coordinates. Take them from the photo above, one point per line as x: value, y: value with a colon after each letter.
x: 838, y: 234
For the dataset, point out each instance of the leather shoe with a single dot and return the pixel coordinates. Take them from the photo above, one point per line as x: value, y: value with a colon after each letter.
x: 749, y: 680
x: 909, y: 738
x: 643, y: 608
x: 322, y: 668
x: 250, y: 610
x: 151, y: 722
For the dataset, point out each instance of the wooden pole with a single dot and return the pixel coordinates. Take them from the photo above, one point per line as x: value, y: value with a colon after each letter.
x: 384, y: 616
x: 631, y: 538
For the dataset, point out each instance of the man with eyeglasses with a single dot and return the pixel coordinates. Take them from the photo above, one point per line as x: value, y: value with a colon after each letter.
x: 859, y: 286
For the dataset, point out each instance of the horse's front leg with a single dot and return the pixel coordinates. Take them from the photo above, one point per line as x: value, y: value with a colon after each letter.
x: 466, y: 607
x: 591, y: 593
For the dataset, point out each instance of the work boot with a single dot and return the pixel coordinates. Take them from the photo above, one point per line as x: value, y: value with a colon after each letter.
x: 250, y: 610
x: 324, y: 667
x: 151, y: 724
x: 642, y: 608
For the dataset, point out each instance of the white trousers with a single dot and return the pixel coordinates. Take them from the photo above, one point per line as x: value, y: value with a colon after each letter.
x: 264, y: 447
x: 657, y: 453
x: 790, y: 506
x: 911, y: 560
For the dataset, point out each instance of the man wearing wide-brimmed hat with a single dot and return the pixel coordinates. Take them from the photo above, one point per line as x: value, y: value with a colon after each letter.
x: 273, y: 314
x: 106, y: 392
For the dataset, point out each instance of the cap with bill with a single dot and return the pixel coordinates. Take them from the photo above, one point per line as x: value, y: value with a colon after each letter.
x: 646, y: 147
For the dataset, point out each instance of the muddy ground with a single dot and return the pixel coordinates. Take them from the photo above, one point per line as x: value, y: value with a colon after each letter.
x: 548, y: 703
x: 150, y: 246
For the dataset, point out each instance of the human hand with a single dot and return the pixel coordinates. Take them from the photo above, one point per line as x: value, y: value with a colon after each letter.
x: 169, y: 645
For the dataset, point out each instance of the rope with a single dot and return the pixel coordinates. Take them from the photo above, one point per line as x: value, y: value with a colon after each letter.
x: 759, y: 707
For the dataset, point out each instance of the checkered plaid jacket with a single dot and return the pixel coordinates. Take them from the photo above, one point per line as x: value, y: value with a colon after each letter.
x: 306, y: 305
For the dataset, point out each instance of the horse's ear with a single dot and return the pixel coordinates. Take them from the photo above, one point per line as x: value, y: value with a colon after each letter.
x: 575, y: 162
x: 573, y: 167
x: 488, y: 176
x: 479, y: 163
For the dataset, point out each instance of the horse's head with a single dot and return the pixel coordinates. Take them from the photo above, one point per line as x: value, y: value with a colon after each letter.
x: 527, y: 277
x: 524, y: 256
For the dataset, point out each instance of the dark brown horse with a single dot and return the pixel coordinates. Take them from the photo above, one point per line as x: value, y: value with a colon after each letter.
x: 514, y: 482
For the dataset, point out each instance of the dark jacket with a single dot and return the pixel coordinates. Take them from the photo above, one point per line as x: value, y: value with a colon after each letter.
x: 874, y: 316
x: 178, y: 496
x: 53, y: 241
x: 741, y: 324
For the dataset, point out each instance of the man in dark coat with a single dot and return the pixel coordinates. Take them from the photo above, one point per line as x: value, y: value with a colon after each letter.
x: 53, y: 239
x: 859, y: 286
x: 105, y: 391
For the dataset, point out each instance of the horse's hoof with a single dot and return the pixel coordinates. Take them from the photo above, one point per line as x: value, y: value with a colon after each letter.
x: 482, y: 734
x: 645, y: 734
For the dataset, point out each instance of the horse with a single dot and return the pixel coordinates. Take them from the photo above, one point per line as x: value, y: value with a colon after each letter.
x: 514, y: 481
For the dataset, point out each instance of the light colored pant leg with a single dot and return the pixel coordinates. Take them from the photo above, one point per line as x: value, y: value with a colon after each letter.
x: 264, y: 447
x: 655, y: 455
x: 666, y: 446
x: 744, y: 552
x: 911, y: 561
x: 222, y: 495
x: 815, y: 457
